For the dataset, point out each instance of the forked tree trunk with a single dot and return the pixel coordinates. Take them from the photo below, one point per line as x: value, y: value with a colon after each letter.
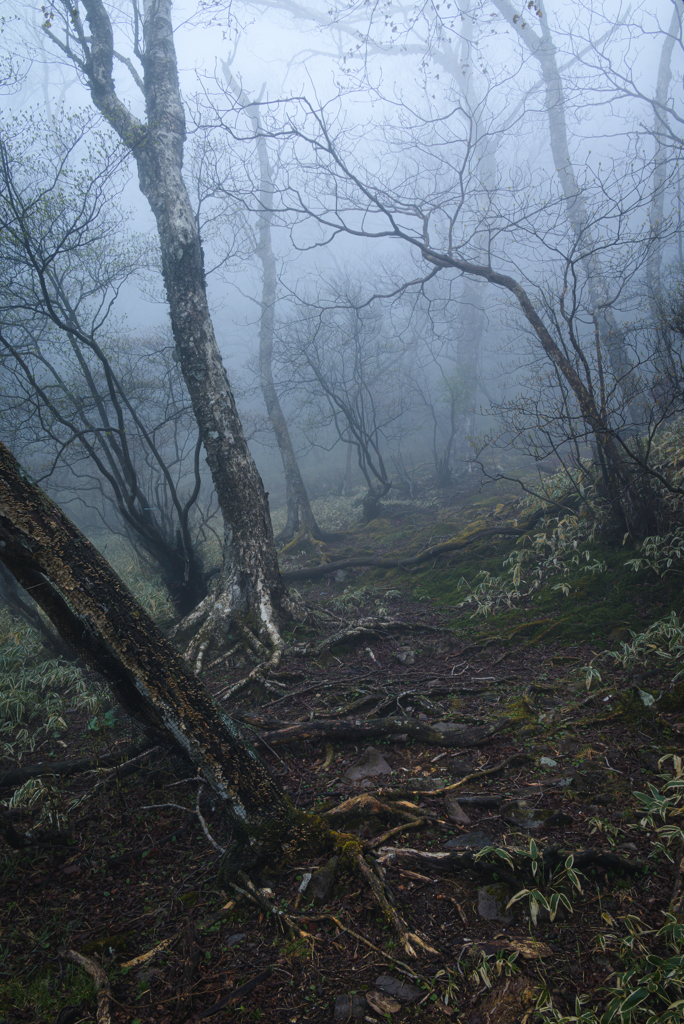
x: 249, y: 589
x: 95, y: 613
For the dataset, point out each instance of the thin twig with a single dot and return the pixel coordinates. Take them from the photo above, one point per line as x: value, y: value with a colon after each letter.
x: 221, y: 849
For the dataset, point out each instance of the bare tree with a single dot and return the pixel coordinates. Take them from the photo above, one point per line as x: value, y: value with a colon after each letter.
x: 541, y: 46
x: 444, y: 224
x: 341, y: 360
x: 86, y: 404
x: 301, y: 521
x: 249, y: 586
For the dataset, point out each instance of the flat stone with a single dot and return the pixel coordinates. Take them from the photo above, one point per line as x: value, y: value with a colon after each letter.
x: 469, y: 841
x: 449, y: 728
x: 400, y: 990
x: 233, y: 940
x: 350, y: 1006
x: 382, y: 1003
x: 560, y: 782
x: 426, y: 785
x: 519, y: 813
x: 491, y: 903
x: 321, y: 884
x: 370, y: 763
x: 454, y: 809
x: 459, y: 767
x: 559, y: 819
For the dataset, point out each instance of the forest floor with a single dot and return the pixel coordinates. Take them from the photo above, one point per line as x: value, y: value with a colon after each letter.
x: 568, y: 760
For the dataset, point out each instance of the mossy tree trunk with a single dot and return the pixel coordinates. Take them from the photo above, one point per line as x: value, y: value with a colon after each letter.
x: 99, y: 618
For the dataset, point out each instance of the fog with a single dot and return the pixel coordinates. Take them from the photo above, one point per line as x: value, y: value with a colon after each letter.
x: 438, y: 231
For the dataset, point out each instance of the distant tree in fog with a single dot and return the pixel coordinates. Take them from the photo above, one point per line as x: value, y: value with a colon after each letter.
x: 344, y: 366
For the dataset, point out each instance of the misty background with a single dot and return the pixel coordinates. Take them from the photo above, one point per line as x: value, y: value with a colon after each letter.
x: 540, y: 142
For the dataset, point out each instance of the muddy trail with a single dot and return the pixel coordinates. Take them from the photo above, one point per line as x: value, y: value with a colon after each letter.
x: 475, y: 760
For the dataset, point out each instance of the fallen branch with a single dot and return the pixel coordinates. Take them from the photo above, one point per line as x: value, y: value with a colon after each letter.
x: 446, y: 863
x: 402, y: 967
x: 236, y: 994
x: 101, y: 983
x: 406, y: 794
x: 410, y: 941
x: 355, y: 729
x: 317, y: 571
x: 14, y: 777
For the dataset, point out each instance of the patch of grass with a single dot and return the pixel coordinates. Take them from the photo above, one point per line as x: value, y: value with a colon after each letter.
x: 590, y: 606
x: 35, y: 690
x: 37, y: 992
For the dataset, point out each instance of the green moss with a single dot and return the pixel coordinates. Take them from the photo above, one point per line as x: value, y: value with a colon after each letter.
x: 104, y: 947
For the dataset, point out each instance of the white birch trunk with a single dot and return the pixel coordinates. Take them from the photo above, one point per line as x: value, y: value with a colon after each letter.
x: 250, y: 586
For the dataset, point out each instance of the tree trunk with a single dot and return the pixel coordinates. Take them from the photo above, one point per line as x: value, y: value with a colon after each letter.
x: 612, y: 337
x: 300, y: 516
x: 101, y: 621
x: 467, y: 356
x: 249, y: 588
x: 660, y: 162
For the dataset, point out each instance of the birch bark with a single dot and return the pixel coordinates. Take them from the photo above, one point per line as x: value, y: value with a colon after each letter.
x: 250, y: 588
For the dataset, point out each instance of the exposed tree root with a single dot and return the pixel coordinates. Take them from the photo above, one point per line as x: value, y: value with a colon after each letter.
x: 372, y: 844
x: 552, y: 857
x: 99, y: 978
x: 361, y: 630
x: 365, y: 807
x: 409, y: 940
x: 208, y: 626
x: 402, y: 967
x: 406, y: 794
x: 23, y: 840
x: 306, y: 540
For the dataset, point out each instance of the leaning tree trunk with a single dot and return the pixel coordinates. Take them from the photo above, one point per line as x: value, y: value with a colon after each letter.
x: 99, y: 618
x: 612, y: 336
x: 300, y: 517
x: 249, y: 591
